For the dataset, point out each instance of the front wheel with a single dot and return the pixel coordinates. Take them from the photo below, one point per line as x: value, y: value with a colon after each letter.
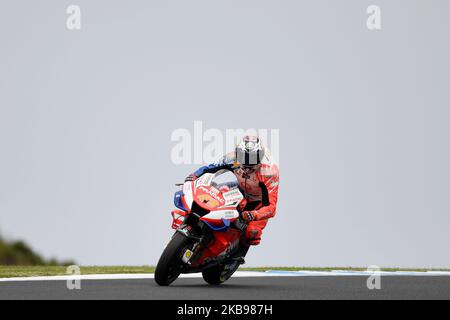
x: 168, y: 267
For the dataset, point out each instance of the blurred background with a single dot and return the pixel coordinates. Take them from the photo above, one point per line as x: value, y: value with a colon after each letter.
x: 86, y: 118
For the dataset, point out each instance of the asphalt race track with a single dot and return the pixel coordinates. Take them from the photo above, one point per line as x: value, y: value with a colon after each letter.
x: 254, y: 288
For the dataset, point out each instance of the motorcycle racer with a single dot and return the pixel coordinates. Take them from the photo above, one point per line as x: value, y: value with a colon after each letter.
x: 258, y: 179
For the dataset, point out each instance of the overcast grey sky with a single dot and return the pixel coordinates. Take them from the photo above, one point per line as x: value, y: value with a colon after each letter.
x: 86, y: 118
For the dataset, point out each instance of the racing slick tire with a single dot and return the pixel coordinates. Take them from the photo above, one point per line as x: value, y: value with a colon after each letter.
x: 168, y: 267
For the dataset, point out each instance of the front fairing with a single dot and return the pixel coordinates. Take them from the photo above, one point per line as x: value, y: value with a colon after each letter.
x: 218, y: 196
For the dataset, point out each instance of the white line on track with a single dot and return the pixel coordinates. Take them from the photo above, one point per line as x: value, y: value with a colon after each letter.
x: 242, y: 274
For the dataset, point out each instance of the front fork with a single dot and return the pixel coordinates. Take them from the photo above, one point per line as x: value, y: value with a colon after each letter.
x: 200, y: 238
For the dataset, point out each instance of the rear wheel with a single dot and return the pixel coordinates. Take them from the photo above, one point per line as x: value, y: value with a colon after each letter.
x: 219, y: 274
x: 222, y: 272
x: 168, y: 268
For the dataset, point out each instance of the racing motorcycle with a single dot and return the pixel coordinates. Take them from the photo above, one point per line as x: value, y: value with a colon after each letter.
x: 209, y: 236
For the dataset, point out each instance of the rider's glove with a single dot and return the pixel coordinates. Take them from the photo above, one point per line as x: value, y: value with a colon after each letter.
x: 190, y: 177
x: 248, y: 216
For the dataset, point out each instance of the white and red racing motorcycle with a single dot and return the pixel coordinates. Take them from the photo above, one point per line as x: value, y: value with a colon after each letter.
x: 209, y: 230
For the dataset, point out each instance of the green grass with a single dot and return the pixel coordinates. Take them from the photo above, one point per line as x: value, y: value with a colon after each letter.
x: 36, y: 271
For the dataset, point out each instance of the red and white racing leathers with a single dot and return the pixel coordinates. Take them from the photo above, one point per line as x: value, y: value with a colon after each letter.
x: 260, y: 188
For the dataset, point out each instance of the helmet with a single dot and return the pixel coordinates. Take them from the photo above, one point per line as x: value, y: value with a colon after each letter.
x: 249, y: 151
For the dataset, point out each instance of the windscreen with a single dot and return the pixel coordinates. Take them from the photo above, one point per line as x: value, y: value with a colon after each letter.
x: 225, y: 179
